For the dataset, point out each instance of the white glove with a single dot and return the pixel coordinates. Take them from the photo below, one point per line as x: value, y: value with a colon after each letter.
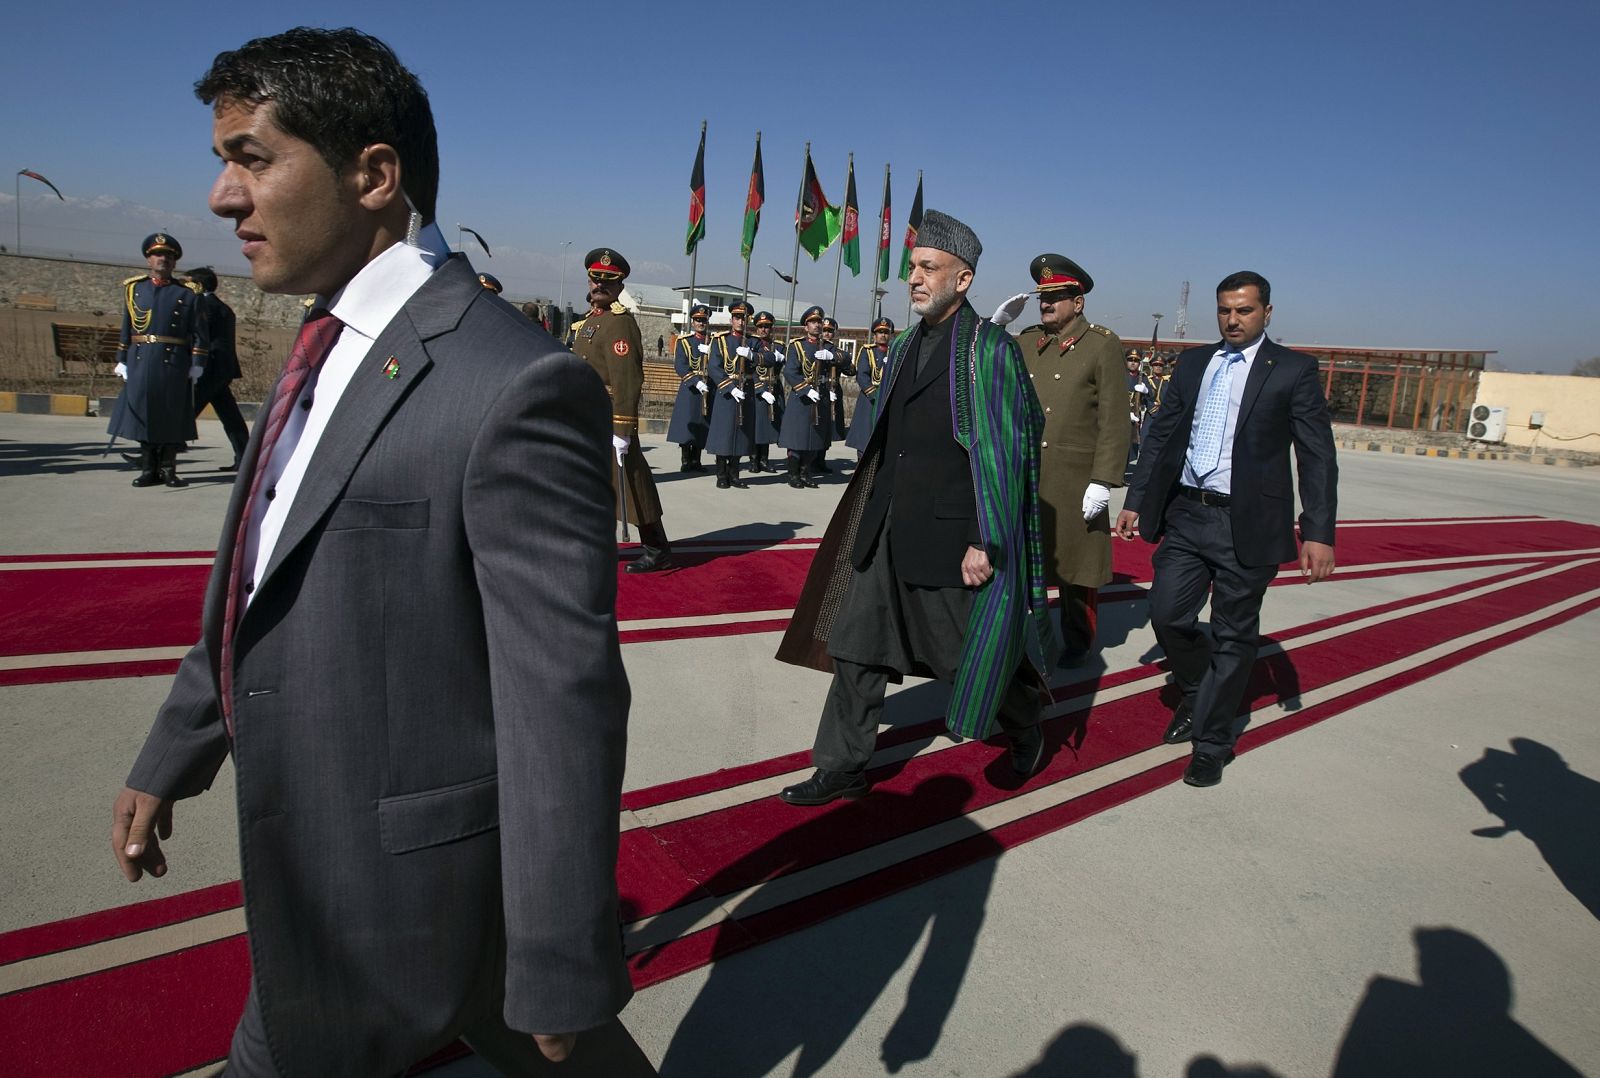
x: 832, y: 396
x: 122, y: 371
x: 823, y: 355
x: 768, y: 397
x: 700, y: 386
x: 1096, y: 496
x: 1008, y: 311
x: 813, y: 394
x: 1141, y: 388
x: 1134, y: 416
x: 619, y: 445
x: 737, y: 393
x: 703, y: 349
x: 742, y: 351
x: 195, y: 373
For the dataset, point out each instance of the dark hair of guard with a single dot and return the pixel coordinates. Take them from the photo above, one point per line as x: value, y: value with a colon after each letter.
x: 205, y: 277
x: 1244, y: 279
x: 340, y: 91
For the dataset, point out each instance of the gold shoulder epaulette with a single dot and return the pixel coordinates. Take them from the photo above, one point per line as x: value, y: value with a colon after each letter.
x: 194, y: 286
x: 1039, y: 327
x: 618, y: 308
x: 136, y: 278
x: 1102, y: 330
x: 308, y: 301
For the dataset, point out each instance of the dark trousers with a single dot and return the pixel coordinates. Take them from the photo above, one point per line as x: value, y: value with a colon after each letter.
x: 1080, y: 606
x: 1196, y: 556
x: 221, y: 400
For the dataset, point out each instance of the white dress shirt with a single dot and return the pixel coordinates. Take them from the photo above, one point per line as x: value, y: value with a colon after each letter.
x: 1221, y: 477
x: 366, y: 305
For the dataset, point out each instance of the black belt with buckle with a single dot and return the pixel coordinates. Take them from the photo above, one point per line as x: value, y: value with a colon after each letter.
x: 1206, y: 497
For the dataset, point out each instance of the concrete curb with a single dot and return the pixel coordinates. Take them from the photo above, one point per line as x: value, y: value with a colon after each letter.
x: 1463, y: 454
x: 77, y: 405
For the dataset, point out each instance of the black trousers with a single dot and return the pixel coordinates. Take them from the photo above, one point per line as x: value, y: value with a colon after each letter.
x: 1196, y: 556
x: 220, y: 398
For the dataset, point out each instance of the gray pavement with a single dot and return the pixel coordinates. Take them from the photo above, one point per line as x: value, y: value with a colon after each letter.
x: 1241, y: 924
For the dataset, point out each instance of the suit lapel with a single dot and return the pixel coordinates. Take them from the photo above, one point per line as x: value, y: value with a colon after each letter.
x: 372, y: 396
x: 1265, y: 363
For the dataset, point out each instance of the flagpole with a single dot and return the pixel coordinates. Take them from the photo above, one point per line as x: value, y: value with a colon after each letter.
x: 694, y: 256
x: 875, y: 302
x: 908, y: 290
x: 746, y: 296
x: 19, y: 214
x: 794, y: 270
x: 839, y: 265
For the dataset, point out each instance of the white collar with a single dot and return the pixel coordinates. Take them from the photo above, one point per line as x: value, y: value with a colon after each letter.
x: 1248, y: 351
x: 369, y: 301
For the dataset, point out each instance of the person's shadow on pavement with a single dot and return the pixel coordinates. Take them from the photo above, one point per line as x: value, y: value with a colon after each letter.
x: 810, y: 990
x: 1533, y: 791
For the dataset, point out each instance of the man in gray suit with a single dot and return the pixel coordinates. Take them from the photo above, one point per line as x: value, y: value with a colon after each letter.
x: 409, y: 639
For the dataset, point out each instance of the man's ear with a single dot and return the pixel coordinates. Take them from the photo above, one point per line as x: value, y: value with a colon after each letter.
x: 964, y: 280
x: 378, y: 174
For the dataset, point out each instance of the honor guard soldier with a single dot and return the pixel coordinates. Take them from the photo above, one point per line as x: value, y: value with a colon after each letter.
x: 491, y: 282
x: 222, y: 366
x: 1157, y: 381
x: 733, y: 416
x: 1076, y: 368
x: 609, y: 339
x: 807, y: 417
x: 769, y: 393
x: 870, y: 362
x: 161, y: 353
x: 691, y: 358
x: 839, y: 365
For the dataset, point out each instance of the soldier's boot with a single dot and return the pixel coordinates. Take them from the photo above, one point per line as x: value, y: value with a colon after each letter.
x: 808, y: 464
x: 699, y: 465
x: 794, y: 471
x: 758, y: 460
x: 686, y: 457
x: 657, y: 550
x: 723, y: 482
x: 169, y: 467
x: 733, y: 475
x: 149, y: 466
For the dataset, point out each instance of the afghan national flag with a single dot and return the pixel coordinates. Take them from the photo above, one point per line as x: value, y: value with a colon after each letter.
x: 752, y: 204
x: 912, y: 225
x: 883, y: 232
x: 852, y: 225
x: 818, y: 223
x: 697, y: 198
x: 32, y: 175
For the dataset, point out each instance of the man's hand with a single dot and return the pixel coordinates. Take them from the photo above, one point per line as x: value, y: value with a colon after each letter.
x: 823, y: 355
x: 767, y: 396
x: 703, y: 349
x: 814, y: 395
x: 122, y: 371
x: 195, y: 372
x: 137, y: 819
x: 1008, y: 311
x: 700, y: 386
x: 555, y: 1047
x: 619, y: 445
x: 1096, y: 496
x: 975, y: 568
x: 738, y: 394
x: 1316, y: 560
x: 832, y: 396
x: 1127, y: 525
x: 1141, y: 388
x: 742, y: 351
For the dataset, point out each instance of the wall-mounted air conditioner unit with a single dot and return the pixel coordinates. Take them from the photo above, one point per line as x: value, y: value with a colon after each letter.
x: 1488, y: 423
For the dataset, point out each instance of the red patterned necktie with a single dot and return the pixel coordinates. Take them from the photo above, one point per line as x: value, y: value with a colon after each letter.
x: 317, y: 334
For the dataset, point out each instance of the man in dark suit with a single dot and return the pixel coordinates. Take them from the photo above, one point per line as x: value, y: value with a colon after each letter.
x: 409, y: 643
x: 1212, y: 486
x: 214, y: 388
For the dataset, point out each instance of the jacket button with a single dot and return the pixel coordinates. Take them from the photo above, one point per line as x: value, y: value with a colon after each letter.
x: 249, y: 586
x: 1044, y: 445
x: 1058, y: 376
x: 1047, y: 411
x: 272, y: 492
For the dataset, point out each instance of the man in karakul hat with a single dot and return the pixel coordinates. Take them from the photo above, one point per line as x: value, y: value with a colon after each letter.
x: 932, y: 564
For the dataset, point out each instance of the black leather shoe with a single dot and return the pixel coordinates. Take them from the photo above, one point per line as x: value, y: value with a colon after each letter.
x: 1205, y: 769
x: 1182, y: 725
x: 1027, y: 749
x: 653, y: 559
x: 825, y: 786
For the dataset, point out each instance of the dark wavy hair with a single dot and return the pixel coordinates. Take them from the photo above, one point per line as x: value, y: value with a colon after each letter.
x: 340, y: 91
x: 1244, y: 279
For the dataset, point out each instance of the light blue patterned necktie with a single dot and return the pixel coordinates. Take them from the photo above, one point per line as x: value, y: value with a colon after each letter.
x: 1205, y: 446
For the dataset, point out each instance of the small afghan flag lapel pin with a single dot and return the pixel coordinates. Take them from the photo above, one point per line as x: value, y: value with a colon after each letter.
x: 391, y: 369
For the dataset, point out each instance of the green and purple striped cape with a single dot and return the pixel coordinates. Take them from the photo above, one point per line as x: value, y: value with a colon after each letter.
x: 996, y: 418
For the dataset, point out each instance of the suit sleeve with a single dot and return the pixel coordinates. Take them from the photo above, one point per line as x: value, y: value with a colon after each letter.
x: 1156, y: 437
x: 1315, y: 458
x: 186, y: 746
x: 1112, y: 430
x: 538, y: 515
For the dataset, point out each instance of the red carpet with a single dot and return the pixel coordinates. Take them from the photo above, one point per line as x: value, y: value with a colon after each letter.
x: 88, y: 996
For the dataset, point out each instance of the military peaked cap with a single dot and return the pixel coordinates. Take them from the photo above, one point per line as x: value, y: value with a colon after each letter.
x: 160, y: 241
x: 1052, y: 272
x: 604, y: 264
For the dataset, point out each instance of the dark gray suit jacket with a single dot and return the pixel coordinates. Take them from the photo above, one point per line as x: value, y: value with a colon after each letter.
x: 430, y: 702
x: 1283, y: 405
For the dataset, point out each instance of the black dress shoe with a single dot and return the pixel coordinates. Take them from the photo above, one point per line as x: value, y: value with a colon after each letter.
x: 825, y: 786
x: 653, y: 559
x: 1182, y: 725
x: 1205, y: 769
x: 1027, y: 749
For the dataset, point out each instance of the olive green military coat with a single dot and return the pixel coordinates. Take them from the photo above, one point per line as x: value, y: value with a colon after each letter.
x: 1082, y: 385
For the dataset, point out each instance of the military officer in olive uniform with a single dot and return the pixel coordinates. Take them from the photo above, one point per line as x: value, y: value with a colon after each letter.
x: 1077, y: 372
x: 691, y: 410
x: 769, y: 393
x: 161, y: 353
x: 609, y: 339
x: 732, y: 381
x: 870, y: 363
x: 807, y: 417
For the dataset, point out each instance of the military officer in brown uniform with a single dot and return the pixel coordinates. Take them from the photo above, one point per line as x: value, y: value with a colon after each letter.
x: 609, y: 339
x: 1077, y: 373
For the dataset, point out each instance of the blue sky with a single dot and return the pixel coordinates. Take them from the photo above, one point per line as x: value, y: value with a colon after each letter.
x: 1416, y: 174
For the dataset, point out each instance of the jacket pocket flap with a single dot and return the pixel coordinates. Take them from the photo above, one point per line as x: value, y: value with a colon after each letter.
x: 433, y: 817
x: 958, y: 506
x: 358, y: 513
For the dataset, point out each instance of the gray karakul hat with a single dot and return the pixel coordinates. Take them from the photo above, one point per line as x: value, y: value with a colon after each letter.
x: 944, y: 233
